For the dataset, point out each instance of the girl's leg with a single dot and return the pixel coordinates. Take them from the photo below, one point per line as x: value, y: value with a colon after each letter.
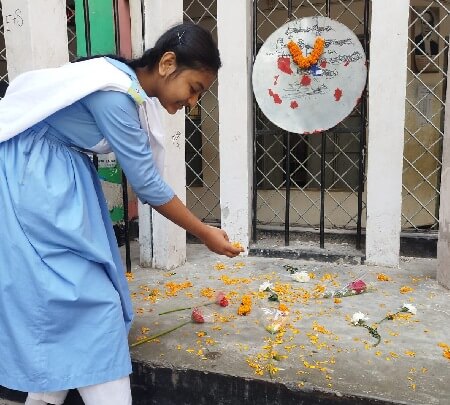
x: 44, y: 398
x: 117, y: 392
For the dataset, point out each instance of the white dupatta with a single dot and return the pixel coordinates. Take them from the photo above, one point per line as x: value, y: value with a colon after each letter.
x: 35, y: 95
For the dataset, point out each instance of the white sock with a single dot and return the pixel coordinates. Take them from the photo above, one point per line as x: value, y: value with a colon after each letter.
x: 31, y: 401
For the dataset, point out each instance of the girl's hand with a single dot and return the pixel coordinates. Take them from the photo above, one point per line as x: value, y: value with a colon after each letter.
x: 217, y: 241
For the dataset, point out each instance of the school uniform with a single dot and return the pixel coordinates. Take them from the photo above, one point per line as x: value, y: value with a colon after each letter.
x: 65, y: 307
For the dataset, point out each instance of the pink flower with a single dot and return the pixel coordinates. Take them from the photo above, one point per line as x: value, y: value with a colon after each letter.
x: 221, y: 299
x: 197, y: 315
x: 358, y: 286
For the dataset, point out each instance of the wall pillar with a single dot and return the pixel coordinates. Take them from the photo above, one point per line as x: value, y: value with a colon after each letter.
x: 30, y: 26
x: 234, y: 31
x: 443, y: 246
x: 387, y: 89
x: 169, y: 240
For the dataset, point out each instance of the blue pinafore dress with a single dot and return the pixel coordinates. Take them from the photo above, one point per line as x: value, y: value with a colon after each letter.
x: 65, y: 308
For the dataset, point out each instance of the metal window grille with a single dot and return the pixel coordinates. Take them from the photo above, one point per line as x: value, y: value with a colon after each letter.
x: 3, y: 66
x: 310, y: 181
x: 202, y: 131
x: 71, y: 29
x: 425, y: 107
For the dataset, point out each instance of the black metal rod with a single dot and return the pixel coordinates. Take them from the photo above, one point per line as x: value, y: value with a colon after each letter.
x: 322, y: 189
x: 290, y: 15
x: 287, y: 143
x: 254, y: 180
x: 328, y: 8
x: 143, y: 25
x: 87, y: 27
x: 116, y: 26
x: 363, y: 134
x: 126, y: 217
x: 126, y: 223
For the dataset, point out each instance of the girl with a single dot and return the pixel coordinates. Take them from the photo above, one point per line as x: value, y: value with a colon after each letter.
x: 65, y: 308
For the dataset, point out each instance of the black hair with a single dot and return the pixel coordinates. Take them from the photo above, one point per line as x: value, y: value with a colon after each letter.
x: 193, y: 46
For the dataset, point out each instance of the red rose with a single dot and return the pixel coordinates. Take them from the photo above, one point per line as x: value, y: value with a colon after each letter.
x: 221, y: 299
x: 358, y: 286
x: 197, y: 315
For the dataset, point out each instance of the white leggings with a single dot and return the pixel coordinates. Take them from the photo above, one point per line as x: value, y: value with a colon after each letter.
x: 116, y: 392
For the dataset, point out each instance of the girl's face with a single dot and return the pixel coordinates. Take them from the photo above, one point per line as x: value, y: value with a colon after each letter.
x: 183, y: 89
x: 175, y: 89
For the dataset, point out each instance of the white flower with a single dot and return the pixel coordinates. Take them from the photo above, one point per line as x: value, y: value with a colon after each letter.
x: 301, y: 276
x: 359, y: 317
x: 266, y: 286
x: 409, y: 308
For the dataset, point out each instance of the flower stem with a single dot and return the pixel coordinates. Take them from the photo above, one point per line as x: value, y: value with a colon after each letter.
x: 153, y: 337
x: 174, y: 310
x: 374, y: 333
x: 184, y: 308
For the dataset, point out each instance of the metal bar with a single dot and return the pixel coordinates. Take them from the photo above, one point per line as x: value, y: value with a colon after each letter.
x: 322, y: 168
x: 442, y: 122
x: 126, y: 218
x: 287, y: 144
x: 87, y: 27
x: 363, y: 133
x: 126, y: 222
x: 143, y: 25
x: 116, y: 25
x: 322, y: 189
x: 255, y: 183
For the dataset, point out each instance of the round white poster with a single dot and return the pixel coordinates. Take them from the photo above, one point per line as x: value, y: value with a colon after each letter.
x: 309, y: 75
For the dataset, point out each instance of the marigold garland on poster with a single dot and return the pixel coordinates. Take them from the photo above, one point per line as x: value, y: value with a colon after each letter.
x: 305, y: 62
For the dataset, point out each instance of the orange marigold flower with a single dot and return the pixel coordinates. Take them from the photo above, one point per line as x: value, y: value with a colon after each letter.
x: 405, y: 289
x: 305, y: 62
x: 246, y: 305
x: 383, y: 277
x: 283, y: 308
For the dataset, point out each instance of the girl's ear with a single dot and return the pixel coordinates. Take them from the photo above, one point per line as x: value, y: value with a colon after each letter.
x: 167, y: 64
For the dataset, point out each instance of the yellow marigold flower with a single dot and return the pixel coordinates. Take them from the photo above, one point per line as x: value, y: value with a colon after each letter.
x: 283, y: 308
x: 237, y: 245
x: 320, y: 328
x: 383, y: 277
x: 337, y: 300
x: 246, y: 305
x: 219, y: 266
x: 406, y: 289
x: 207, y: 292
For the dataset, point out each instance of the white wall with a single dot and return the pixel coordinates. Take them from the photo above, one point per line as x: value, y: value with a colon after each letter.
x: 387, y: 90
x: 35, y: 34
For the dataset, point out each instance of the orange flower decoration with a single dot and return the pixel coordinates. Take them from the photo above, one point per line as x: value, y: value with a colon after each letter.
x: 246, y: 305
x: 305, y: 62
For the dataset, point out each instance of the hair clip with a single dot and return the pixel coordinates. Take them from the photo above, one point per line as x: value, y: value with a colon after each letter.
x: 180, y: 37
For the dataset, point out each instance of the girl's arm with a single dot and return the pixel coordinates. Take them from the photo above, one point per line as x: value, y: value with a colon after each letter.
x: 215, y: 239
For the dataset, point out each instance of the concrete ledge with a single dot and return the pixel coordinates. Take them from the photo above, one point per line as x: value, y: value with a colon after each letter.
x: 170, y: 386
x: 306, y: 254
x: 155, y: 385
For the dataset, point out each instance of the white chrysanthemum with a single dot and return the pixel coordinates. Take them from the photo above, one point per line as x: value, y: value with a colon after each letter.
x: 266, y: 286
x: 359, y: 317
x: 410, y: 308
x: 301, y: 276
